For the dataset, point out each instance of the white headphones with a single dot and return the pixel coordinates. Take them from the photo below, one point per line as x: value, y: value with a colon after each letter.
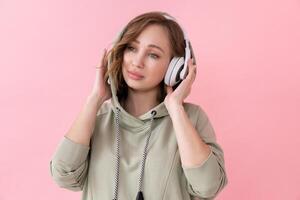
x: 178, y: 66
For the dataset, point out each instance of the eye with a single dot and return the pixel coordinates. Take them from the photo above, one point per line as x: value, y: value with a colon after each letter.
x: 130, y: 48
x: 154, y: 55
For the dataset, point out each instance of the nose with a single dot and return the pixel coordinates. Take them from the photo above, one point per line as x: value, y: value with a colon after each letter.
x: 138, y: 60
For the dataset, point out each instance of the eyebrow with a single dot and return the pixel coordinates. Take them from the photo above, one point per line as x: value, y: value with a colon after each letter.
x: 151, y: 45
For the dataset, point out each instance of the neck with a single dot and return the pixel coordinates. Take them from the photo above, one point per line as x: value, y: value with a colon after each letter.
x: 138, y: 103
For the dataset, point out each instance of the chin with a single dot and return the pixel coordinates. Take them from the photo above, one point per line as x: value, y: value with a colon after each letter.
x: 134, y: 85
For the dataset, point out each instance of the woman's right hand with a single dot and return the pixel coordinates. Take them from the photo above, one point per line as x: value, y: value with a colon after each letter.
x: 101, y: 89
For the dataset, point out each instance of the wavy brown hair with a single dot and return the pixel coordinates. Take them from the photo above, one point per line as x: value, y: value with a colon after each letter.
x: 131, y: 32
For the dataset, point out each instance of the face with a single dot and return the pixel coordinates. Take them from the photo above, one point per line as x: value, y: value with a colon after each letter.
x: 146, y: 59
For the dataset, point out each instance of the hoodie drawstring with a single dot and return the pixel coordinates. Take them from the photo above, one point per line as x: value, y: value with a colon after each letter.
x: 117, y: 169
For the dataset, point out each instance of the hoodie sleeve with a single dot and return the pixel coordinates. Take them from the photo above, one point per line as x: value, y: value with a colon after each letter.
x: 69, y: 164
x: 209, y: 178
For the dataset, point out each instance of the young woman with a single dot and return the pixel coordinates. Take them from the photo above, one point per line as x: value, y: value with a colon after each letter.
x: 136, y: 138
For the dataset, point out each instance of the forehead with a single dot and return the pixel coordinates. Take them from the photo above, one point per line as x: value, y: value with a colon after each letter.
x: 155, y: 35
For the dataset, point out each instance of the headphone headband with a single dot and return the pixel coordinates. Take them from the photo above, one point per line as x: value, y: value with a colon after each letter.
x: 167, y: 16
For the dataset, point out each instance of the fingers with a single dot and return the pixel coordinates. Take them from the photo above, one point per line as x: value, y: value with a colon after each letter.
x: 104, y: 58
x: 103, y: 62
x: 169, y: 89
x: 99, y: 69
x: 192, y: 70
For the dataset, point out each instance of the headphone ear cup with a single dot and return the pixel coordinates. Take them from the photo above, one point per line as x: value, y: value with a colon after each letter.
x: 173, y: 73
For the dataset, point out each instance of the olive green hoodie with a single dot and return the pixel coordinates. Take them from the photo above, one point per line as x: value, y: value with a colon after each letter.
x: 93, y: 168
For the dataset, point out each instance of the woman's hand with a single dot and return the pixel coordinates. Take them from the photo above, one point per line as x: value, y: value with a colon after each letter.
x: 176, y: 97
x: 101, y: 89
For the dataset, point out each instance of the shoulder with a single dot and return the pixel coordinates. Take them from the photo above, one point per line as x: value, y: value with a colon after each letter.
x: 105, y: 108
x: 195, y: 111
x: 201, y: 121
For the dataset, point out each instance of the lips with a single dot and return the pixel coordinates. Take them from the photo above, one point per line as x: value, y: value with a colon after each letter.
x: 135, y: 74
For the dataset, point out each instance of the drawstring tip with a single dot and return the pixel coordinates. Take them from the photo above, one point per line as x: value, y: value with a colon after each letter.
x: 140, y: 196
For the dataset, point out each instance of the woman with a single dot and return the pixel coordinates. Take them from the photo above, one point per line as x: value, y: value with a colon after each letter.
x: 137, y: 138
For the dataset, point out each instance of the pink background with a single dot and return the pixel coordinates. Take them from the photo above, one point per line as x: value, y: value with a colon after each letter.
x: 248, y: 83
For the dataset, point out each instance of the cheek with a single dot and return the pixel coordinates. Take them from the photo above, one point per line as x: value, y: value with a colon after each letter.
x: 164, y: 68
x: 161, y: 72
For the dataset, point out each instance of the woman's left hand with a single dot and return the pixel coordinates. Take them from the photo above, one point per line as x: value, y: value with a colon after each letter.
x: 176, y: 97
